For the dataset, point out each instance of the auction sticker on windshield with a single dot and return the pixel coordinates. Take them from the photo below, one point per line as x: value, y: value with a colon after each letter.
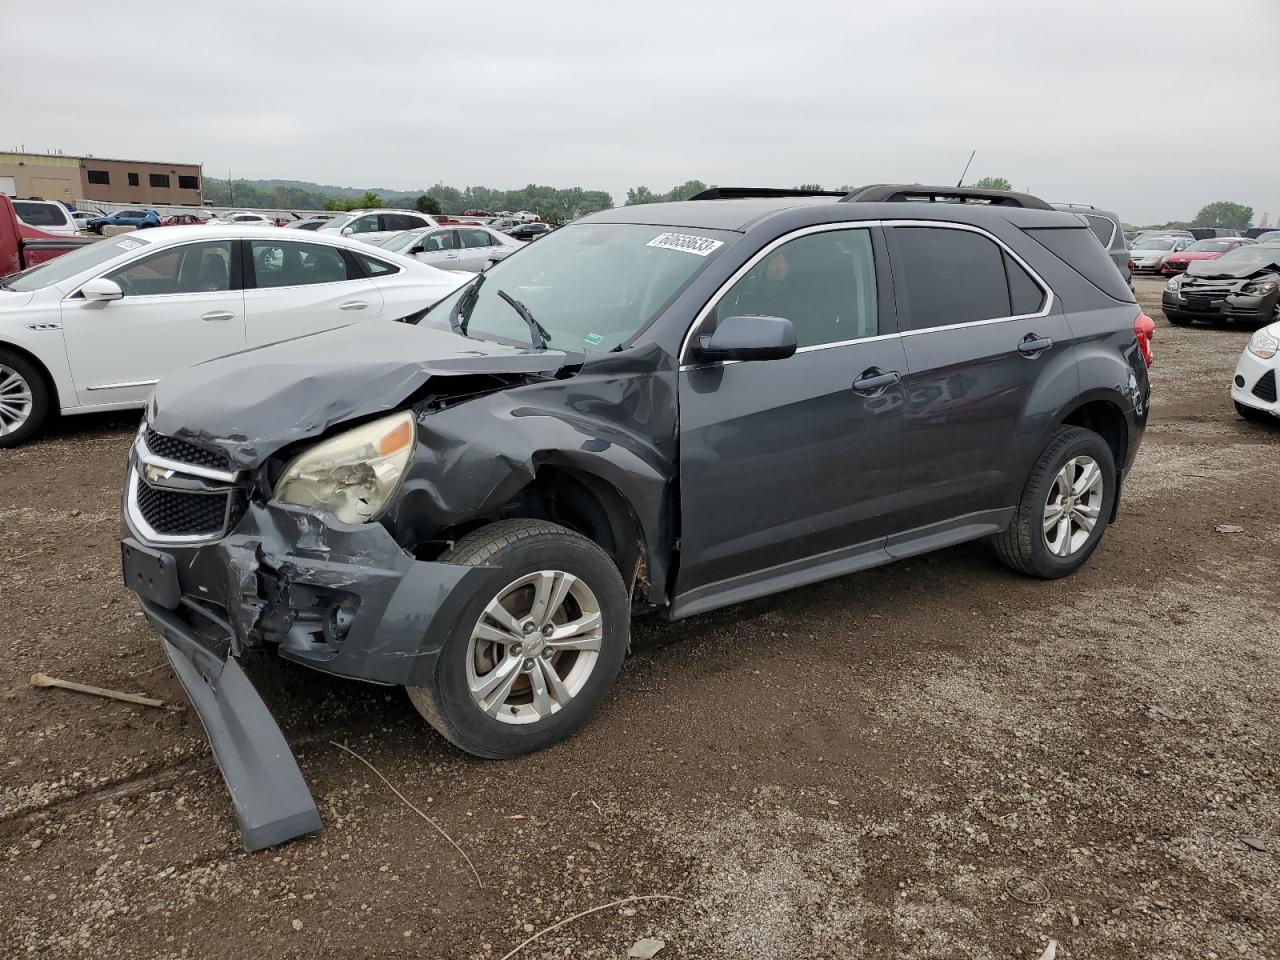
x: 129, y: 244
x: 686, y: 243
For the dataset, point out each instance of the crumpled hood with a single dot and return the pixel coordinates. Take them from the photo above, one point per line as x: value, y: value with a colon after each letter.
x: 252, y: 403
x: 1235, y: 269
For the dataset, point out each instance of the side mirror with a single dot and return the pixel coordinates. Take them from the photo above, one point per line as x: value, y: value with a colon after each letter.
x: 346, y: 231
x: 102, y: 289
x: 417, y: 248
x: 748, y: 338
x: 489, y: 263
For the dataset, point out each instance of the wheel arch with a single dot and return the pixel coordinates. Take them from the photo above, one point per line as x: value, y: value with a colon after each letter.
x: 1103, y: 413
x: 50, y: 382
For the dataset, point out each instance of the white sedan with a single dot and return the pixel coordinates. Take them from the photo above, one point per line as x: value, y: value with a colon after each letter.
x: 97, y: 327
x: 453, y: 248
x: 1253, y: 388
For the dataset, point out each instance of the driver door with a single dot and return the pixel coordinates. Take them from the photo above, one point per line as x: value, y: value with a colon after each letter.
x: 789, y: 469
x: 181, y: 305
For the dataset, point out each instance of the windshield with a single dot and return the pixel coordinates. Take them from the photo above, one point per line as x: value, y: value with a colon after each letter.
x: 1155, y: 243
x: 592, y: 286
x: 71, y: 263
x: 1252, y: 253
x: 336, y: 223
x: 400, y: 241
x: 1209, y: 246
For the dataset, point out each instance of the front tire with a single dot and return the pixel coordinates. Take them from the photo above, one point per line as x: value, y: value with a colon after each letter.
x: 24, y: 399
x: 535, y: 649
x: 1064, y: 507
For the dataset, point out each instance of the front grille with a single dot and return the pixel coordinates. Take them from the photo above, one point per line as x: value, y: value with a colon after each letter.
x: 1265, y: 388
x: 171, y: 448
x: 178, y: 513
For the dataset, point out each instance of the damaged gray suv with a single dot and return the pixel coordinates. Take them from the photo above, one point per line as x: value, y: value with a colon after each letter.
x: 671, y: 407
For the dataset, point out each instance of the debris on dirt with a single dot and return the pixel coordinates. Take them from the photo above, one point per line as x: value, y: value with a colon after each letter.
x: 645, y: 948
x: 43, y: 680
x: 1161, y: 711
x: 297, y: 924
x: 1253, y: 843
x: 39, y: 549
x: 1229, y: 528
x: 591, y: 844
x: 586, y: 913
x: 1027, y: 890
x: 1051, y: 951
x: 405, y: 800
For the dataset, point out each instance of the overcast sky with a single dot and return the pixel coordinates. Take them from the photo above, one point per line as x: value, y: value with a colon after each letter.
x: 1149, y: 109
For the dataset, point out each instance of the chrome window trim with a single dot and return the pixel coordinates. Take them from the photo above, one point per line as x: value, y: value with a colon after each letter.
x: 1045, y: 309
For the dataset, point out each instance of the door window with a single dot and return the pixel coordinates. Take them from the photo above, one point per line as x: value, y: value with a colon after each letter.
x: 824, y: 283
x: 366, y: 224
x: 193, y: 268
x: 440, y: 240
x: 400, y: 221
x: 951, y: 276
x: 472, y: 239
x: 286, y: 264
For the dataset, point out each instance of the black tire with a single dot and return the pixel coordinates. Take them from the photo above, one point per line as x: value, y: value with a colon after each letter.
x: 1253, y: 414
x: 516, y: 548
x: 35, y: 383
x: 1178, y: 319
x: 1022, y: 545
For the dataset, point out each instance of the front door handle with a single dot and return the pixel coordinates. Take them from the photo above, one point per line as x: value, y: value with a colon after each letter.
x: 451, y: 256
x: 874, y: 380
x: 354, y: 305
x: 218, y: 315
x: 1032, y: 346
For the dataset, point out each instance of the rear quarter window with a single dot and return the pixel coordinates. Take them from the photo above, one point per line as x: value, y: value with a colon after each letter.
x: 40, y: 214
x: 1080, y: 250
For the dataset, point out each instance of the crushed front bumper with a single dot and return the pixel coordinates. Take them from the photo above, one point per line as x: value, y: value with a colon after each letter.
x: 342, y: 598
x: 1218, y: 306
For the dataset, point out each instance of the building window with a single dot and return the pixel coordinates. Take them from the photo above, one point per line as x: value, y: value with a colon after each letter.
x: 159, y: 180
x: 133, y: 180
x: 98, y: 176
x: 188, y: 183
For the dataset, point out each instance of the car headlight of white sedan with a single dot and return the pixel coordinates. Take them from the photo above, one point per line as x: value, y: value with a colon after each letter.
x: 354, y: 474
x: 1265, y: 343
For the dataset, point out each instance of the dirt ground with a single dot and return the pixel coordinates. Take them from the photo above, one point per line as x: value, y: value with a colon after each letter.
x: 933, y: 759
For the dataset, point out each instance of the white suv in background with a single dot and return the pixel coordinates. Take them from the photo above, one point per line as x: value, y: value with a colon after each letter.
x: 47, y: 215
x: 375, y: 225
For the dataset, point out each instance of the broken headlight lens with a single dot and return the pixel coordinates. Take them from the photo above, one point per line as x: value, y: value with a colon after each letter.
x: 354, y: 474
x: 1265, y: 343
x: 1259, y: 289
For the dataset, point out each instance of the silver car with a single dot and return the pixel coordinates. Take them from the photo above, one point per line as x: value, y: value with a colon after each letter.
x: 453, y: 248
x: 1147, y: 254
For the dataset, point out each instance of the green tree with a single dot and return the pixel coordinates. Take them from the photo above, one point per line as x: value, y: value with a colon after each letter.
x: 1224, y: 213
x: 992, y: 183
x: 429, y: 205
x: 640, y: 195
x: 809, y: 187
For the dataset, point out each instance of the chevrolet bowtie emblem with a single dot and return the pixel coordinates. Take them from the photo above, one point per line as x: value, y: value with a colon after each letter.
x: 155, y: 474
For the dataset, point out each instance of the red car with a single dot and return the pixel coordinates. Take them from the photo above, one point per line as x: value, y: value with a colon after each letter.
x: 182, y: 219
x: 1210, y: 249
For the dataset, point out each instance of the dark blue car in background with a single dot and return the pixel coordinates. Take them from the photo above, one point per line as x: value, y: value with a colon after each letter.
x: 126, y: 218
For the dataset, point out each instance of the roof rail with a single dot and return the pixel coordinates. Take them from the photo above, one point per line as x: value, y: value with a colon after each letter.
x: 739, y: 193
x: 917, y: 192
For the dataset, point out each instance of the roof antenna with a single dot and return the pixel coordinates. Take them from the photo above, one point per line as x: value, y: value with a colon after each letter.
x: 960, y: 182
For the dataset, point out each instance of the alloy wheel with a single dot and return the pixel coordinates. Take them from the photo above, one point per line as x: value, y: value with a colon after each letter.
x: 534, y: 647
x: 1074, y: 506
x: 15, y: 400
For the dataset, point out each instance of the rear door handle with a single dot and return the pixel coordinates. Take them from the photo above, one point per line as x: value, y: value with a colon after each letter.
x: 354, y: 305
x: 874, y: 379
x: 1031, y: 345
x: 218, y: 315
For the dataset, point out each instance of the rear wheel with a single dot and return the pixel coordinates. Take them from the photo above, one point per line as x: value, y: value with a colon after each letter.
x: 536, y: 648
x: 1064, y: 507
x: 24, y: 399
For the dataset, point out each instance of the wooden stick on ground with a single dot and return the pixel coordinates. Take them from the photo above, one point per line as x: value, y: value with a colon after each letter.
x: 41, y: 680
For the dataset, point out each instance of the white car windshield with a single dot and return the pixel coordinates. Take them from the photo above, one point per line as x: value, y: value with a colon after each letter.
x: 71, y: 263
x: 1155, y: 243
x: 401, y: 241
x: 337, y: 223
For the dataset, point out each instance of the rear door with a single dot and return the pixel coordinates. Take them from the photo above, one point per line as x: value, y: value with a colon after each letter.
x: 295, y: 287
x: 981, y: 333
x: 790, y: 466
x: 181, y: 305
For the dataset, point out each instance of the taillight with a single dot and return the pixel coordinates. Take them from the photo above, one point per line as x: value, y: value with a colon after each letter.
x: 1144, y: 328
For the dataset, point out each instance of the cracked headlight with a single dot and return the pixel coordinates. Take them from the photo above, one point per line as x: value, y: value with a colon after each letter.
x: 354, y: 474
x: 1265, y: 343
x: 1259, y: 289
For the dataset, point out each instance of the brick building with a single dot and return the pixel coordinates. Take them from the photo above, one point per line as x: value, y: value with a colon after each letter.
x: 142, y: 182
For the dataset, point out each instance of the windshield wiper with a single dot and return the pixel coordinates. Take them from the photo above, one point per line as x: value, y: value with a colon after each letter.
x: 537, y: 332
x: 462, y: 303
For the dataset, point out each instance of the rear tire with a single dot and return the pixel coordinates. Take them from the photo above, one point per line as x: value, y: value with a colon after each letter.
x: 1064, y: 508
x: 513, y: 676
x: 1253, y: 414
x: 24, y: 399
